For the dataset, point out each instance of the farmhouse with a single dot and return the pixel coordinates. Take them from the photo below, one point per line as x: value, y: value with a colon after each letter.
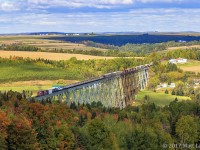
x: 178, y: 60
x: 173, y: 61
x: 165, y: 85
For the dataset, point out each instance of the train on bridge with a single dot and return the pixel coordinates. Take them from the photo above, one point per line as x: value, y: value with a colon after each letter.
x: 108, y: 75
x: 115, y: 89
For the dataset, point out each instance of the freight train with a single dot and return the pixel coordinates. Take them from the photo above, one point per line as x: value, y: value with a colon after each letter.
x: 49, y: 91
x: 56, y: 89
x: 108, y: 75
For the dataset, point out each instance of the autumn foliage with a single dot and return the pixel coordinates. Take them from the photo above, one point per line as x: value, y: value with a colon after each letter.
x: 34, y: 125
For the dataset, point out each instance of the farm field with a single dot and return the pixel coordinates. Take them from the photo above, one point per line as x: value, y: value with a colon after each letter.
x: 34, y: 85
x: 45, y: 44
x: 48, y: 55
x: 25, y: 72
x: 51, y: 45
x: 193, y: 66
x: 183, y: 47
x: 161, y: 99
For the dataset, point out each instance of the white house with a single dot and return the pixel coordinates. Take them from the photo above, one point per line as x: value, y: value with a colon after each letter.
x: 172, y: 85
x: 76, y: 34
x: 173, y: 61
x: 181, y: 41
x: 181, y: 60
x: 165, y: 85
x: 178, y: 60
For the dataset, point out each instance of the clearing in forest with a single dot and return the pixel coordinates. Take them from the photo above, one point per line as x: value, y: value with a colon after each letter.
x: 159, y: 98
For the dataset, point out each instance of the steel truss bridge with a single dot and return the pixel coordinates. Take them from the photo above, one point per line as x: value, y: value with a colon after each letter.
x: 116, y: 89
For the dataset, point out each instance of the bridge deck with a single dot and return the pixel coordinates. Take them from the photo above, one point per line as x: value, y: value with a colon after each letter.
x: 90, y: 82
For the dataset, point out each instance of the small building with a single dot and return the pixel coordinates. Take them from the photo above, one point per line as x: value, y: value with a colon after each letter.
x: 172, y: 85
x: 162, y: 85
x: 165, y: 85
x: 181, y: 60
x: 76, y: 34
x: 178, y: 60
x: 173, y: 61
x: 182, y: 41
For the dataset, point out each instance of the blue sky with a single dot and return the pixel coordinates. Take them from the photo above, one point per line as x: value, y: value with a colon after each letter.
x: 18, y: 16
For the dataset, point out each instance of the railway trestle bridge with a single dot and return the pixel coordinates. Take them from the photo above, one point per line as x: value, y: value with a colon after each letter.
x: 116, y: 89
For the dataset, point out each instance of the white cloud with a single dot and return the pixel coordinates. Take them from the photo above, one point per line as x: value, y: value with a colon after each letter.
x: 78, y: 3
x: 82, y: 2
x: 8, y: 6
x: 115, y: 1
x: 31, y: 5
x: 135, y: 20
x: 90, y: 3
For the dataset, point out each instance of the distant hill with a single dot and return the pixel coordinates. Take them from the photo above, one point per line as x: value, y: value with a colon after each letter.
x: 109, y: 33
x: 119, y: 40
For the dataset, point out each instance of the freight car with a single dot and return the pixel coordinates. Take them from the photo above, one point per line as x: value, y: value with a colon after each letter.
x: 108, y: 75
x: 49, y: 91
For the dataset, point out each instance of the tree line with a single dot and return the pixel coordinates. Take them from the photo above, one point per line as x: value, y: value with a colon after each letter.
x: 141, y: 49
x: 52, y: 125
x: 19, y: 47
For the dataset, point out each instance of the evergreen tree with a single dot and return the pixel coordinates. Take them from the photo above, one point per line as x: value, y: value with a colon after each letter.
x: 93, y: 115
x: 1, y: 103
x: 166, y: 91
x: 173, y: 92
x: 16, y: 104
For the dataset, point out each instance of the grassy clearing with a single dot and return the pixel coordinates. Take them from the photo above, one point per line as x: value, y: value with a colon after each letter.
x: 183, y: 47
x: 192, y: 65
x: 34, y: 85
x: 34, y: 89
x: 161, y: 99
x: 25, y: 72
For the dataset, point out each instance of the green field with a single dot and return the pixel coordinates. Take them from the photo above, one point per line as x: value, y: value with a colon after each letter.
x: 20, y: 89
x: 191, y: 66
x: 158, y: 98
x: 190, y: 63
x: 26, y: 72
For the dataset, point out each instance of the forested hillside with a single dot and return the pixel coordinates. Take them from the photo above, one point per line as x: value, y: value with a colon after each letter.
x: 33, y: 125
x: 119, y: 40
